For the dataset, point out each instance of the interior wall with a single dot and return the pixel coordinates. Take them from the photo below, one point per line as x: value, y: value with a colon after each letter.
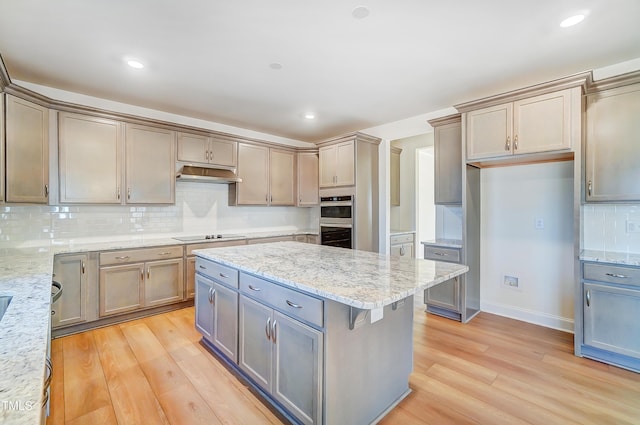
x: 200, y: 208
x: 527, y: 232
x: 606, y: 227
x: 426, y: 209
x: 403, y: 217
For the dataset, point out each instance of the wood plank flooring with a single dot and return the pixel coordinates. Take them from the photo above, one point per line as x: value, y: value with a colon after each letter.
x: 492, y: 370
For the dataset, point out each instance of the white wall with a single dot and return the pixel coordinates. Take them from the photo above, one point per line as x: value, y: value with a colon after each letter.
x: 200, y: 208
x: 542, y: 259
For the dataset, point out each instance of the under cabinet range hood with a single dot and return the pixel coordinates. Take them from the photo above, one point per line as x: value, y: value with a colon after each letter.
x: 207, y: 175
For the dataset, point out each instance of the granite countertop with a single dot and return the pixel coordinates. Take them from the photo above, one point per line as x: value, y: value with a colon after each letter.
x: 631, y: 259
x: 444, y: 243
x: 25, y: 275
x: 359, y: 279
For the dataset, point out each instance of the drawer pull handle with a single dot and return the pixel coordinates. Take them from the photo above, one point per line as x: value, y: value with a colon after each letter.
x: 293, y: 304
x: 588, y: 296
x: 253, y: 288
x: 164, y: 253
x: 224, y: 276
x: 441, y: 254
x: 619, y: 276
x: 202, y: 267
x: 273, y: 331
x: 126, y: 257
x: 267, y: 328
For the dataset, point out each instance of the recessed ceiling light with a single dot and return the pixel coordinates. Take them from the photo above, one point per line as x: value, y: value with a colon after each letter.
x: 572, y: 20
x: 133, y: 63
x: 277, y: 66
x: 360, y: 12
x: 309, y: 116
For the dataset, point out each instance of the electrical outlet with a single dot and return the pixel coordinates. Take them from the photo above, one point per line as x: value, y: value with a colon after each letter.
x: 511, y: 282
x: 633, y: 227
x: 539, y: 223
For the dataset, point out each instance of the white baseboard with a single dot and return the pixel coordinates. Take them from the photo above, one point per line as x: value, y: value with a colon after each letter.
x: 529, y: 316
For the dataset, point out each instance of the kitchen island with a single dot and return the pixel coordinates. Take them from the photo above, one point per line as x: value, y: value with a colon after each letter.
x: 324, y: 334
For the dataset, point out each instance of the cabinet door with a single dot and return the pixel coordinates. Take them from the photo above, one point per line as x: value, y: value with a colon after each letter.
x: 225, y: 320
x: 253, y: 169
x: 204, y: 306
x: 27, y: 151
x: 611, y: 319
x: 255, y: 347
x: 193, y: 148
x: 90, y: 154
x: 395, y: 177
x: 281, y: 172
x: 445, y: 295
x: 70, y: 308
x: 2, y: 138
x: 448, y: 164
x: 489, y: 132
x: 297, y: 382
x: 223, y: 152
x: 164, y: 282
x: 542, y: 123
x: 394, y: 250
x: 612, y: 158
x: 307, y: 179
x: 121, y: 289
x: 345, y: 164
x: 327, y: 160
x: 150, y: 165
x: 190, y: 284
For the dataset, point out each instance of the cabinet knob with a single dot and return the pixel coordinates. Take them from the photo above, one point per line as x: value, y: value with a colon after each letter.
x: 507, y: 146
x: 515, y: 143
x: 118, y: 193
x: 128, y: 193
x: 589, y: 187
x: 46, y: 190
x: 588, y: 297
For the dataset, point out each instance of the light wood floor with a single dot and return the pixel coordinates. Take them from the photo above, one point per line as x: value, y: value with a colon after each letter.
x: 490, y: 371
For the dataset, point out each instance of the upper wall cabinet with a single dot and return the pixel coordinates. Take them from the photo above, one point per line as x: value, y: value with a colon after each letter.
x: 150, y: 165
x: 612, y: 155
x: 200, y: 149
x: 267, y: 176
x: 1, y: 147
x: 542, y: 123
x: 27, y: 151
x: 307, y: 179
x: 337, y: 164
x: 90, y: 159
x: 447, y: 141
x: 395, y: 175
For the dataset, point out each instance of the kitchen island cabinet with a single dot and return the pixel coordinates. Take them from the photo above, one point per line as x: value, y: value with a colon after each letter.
x: 311, y: 339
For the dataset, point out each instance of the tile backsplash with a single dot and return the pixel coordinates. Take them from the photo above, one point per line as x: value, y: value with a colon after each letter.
x: 199, y: 208
x: 606, y: 227
x: 448, y: 222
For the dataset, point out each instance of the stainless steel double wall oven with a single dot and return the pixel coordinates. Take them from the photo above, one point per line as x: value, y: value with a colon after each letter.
x: 336, y: 221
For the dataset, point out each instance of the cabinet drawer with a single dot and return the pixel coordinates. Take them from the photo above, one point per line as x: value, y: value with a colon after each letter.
x: 442, y: 254
x: 294, y: 303
x: 398, y: 239
x: 612, y: 274
x: 204, y: 245
x: 138, y: 255
x: 218, y: 272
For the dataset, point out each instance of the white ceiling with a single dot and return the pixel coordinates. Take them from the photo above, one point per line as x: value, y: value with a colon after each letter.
x: 210, y: 59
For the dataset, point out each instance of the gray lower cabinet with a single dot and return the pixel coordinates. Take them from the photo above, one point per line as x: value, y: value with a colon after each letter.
x: 134, y: 279
x: 71, y: 307
x: 445, y: 299
x: 611, y: 307
x: 283, y: 356
x: 217, y: 315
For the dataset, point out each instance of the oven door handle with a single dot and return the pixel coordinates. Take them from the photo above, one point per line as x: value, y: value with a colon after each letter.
x: 342, y: 226
x: 336, y: 204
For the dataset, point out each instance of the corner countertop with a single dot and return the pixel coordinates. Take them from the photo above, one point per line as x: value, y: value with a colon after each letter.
x: 25, y: 275
x: 626, y: 258
x: 444, y: 243
x: 360, y: 279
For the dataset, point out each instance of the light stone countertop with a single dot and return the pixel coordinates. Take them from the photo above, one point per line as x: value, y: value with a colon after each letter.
x: 25, y: 275
x: 444, y: 243
x: 395, y: 232
x: 360, y: 279
x: 626, y: 258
